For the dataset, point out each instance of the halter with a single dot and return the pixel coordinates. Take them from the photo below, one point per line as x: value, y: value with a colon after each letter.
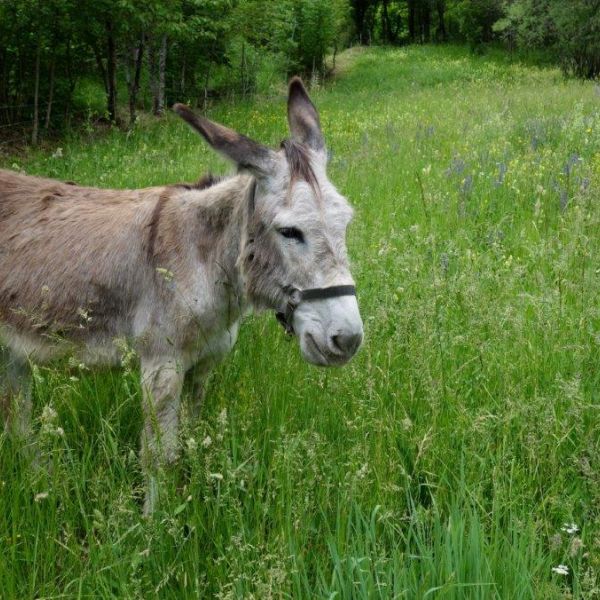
x: 296, y: 297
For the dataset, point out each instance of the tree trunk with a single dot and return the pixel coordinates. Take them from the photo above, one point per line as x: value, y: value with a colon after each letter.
x: 412, y: 29
x: 206, y: 80
x: 182, y: 76
x: 162, y: 70
x: 50, y: 94
x: 152, y: 79
x: 385, y: 23
x: 134, y: 83
x: 426, y: 22
x: 4, y: 95
x: 36, y: 94
x: 71, y: 80
x: 111, y: 73
x: 243, y: 69
x: 441, y: 9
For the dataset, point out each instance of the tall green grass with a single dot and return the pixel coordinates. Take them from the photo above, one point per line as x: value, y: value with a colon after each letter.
x: 444, y: 461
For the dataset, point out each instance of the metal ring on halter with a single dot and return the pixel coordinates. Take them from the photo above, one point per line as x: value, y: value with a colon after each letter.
x: 296, y: 297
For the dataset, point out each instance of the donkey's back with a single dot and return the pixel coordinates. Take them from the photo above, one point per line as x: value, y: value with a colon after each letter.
x: 70, y: 263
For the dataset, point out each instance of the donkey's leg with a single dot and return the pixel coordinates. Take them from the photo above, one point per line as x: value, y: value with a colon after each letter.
x: 162, y: 380
x: 195, y: 380
x: 15, y: 393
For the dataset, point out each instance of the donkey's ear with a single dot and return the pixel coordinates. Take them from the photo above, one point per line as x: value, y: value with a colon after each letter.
x: 243, y: 151
x: 303, y: 117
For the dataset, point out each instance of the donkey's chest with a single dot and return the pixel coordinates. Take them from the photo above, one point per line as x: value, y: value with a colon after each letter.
x: 200, y: 324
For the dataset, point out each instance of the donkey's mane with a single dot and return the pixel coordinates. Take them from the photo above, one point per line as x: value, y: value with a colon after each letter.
x: 298, y: 158
x: 205, y: 182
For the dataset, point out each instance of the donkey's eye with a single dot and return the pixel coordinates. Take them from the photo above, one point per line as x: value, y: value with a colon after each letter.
x: 291, y: 233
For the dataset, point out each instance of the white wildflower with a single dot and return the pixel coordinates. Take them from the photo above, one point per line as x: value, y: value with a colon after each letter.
x: 570, y: 528
x: 41, y: 496
x: 217, y: 476
x: 362, y: 472
x: 207, y: 442
x: 58, y: 153
x: 48, y: 419
x: 191, y: 444
x: 561, y: 570
x: 49, y: 415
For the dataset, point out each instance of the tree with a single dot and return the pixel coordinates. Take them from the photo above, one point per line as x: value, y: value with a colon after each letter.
x: 571, y: 31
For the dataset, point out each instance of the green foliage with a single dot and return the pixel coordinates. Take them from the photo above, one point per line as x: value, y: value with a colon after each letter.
x: 445, y: 460
x: 474, y: 19
x: 187, y: 49
x: 571, y: 30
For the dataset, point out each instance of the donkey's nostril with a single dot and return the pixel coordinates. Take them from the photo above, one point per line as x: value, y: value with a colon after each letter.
x: 347, y: 343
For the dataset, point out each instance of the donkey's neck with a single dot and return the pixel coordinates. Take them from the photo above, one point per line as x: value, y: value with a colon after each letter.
x: 216, y: 221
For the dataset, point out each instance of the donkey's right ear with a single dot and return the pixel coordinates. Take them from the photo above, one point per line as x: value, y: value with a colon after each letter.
x: 243, y: 151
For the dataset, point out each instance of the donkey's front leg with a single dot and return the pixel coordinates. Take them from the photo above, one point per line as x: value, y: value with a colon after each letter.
x: 162, y: 380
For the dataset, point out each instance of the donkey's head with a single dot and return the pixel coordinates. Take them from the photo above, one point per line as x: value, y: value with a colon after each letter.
x: 293, y: 253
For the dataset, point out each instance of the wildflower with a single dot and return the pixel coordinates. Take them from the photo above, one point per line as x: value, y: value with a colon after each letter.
x: 58, y: 153
x: 576, y: 546
x: 41, y: 496
x: 191, y: 444
x: 48, y: 420
x: 49, y: 415
x: 362, y: 472
x: 561, y: 570
x: 167, y: 275
x: 570, y: 528
x: 502, y: 169
x: 467, y: 185
x: 555, y: 541
x: 217, y: 476
x: 207, y: 442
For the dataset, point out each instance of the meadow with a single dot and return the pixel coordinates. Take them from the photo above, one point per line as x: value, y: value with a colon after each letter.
x: 457, y: 456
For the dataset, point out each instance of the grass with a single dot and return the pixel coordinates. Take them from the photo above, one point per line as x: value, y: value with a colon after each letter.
x: 444, y: 461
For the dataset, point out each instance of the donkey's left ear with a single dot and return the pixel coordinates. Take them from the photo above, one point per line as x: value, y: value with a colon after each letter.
x: 303, y: 117
x: 243, y: 151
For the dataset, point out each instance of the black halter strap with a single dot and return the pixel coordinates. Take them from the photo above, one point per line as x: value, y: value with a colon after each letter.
x: 296, y: 296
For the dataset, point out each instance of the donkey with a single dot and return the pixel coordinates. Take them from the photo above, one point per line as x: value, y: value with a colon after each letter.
x: 171, y: 271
